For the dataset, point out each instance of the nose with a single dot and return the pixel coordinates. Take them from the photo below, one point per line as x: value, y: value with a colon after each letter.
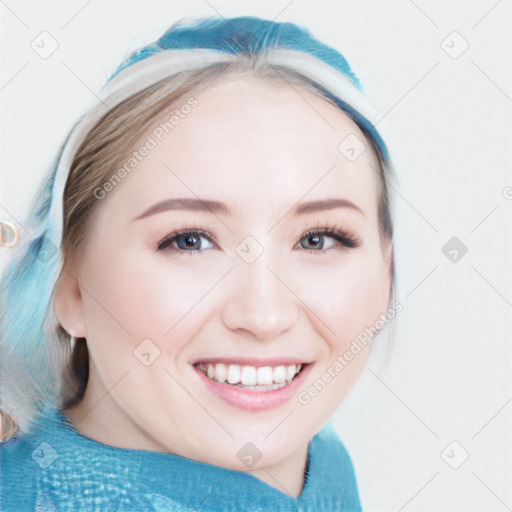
x: 259, y: 302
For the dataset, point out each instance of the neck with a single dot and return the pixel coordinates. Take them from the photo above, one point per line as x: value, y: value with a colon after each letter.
x: 289, y: 475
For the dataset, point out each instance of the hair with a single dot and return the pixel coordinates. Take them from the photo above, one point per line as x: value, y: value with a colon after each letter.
x: 54, y: 370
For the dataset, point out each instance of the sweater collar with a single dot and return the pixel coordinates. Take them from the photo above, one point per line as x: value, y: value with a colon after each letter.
x: 329, y: 485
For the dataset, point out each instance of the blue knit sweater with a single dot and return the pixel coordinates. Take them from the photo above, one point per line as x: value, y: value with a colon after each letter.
x: 55, y: 468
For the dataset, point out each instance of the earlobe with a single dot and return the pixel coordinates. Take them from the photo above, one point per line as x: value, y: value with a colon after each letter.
x: 67, y: 304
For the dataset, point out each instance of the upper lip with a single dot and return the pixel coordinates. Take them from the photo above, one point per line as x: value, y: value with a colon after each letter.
x: 253, y: 361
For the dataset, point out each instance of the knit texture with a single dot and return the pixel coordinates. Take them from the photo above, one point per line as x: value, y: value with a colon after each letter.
x: 55, y: 468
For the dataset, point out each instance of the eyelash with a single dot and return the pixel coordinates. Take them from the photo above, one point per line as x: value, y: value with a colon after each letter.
x: 342, y: 237
x: 346, y: 240
x: 169, y: 239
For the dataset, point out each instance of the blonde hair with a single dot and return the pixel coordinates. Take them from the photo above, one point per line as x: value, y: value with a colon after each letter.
x: 109, y: 143
x: 39, y: 364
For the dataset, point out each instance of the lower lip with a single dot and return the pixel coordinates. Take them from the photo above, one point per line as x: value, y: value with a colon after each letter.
x: 250, y: 399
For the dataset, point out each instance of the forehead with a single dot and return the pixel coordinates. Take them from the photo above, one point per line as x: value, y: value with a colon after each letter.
x: 252, y: 142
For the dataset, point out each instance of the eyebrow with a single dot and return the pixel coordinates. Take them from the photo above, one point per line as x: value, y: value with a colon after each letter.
x: 217, y: 207
x: 186, y: 203
x: 326, y: 204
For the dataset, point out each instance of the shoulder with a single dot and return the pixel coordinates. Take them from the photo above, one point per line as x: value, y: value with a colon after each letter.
x: 18, y: 470
x: 34, y: 464
x: 54, y: 468
x: 28, y: 459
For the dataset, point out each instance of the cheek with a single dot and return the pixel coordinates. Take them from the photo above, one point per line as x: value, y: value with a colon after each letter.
x: 136, y: 295
x: 348, y: 299
x: 346, y: 296
x: 132, y: 296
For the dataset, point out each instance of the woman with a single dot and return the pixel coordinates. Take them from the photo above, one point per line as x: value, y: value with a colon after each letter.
x: 183, y: 320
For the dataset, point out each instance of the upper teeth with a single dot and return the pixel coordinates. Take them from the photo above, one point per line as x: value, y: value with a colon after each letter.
x: 250, y: 375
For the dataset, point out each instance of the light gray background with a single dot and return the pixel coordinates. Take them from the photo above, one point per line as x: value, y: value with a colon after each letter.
x: 447, y: 123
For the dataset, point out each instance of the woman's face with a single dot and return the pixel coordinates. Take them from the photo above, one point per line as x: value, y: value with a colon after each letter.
x: 254, y: 175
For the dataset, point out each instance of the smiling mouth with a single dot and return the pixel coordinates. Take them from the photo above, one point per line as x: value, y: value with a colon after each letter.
x: 257, y: 378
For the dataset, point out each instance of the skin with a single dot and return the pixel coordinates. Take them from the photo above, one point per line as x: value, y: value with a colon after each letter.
x: 260, y: 149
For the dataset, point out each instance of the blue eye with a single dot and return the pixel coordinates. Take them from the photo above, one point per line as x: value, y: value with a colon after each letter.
x: 186, y: 241
x: 317, y: 241
x: 328, y: 238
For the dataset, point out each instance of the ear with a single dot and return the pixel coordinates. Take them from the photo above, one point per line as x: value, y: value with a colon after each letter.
x: 388, y: 253
x: 391, y: 270
x: 67, y: 303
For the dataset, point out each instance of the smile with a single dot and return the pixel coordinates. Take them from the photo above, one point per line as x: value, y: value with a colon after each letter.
x: 252, y: 387
x: 260, y: 378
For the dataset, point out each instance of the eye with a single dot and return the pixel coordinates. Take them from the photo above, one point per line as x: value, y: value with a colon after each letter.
x: 186, y: 241
x: 321, y: 240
